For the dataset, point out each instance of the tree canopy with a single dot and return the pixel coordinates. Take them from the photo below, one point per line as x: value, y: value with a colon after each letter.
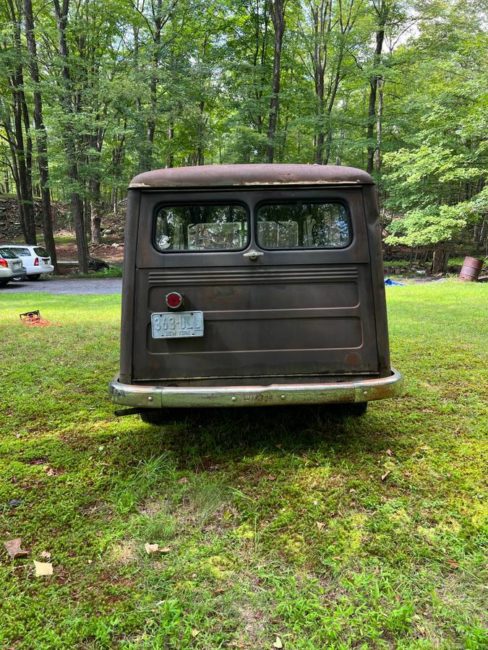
x: 92, y: 92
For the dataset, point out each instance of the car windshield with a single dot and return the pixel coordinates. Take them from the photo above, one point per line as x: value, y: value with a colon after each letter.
x: 7, y: 254
x: 42, y: 252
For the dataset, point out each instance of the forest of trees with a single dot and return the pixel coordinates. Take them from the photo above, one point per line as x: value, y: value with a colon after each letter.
x: 94, y: 91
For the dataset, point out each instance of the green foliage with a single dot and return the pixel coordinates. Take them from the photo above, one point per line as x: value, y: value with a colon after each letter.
x: 197, y: 76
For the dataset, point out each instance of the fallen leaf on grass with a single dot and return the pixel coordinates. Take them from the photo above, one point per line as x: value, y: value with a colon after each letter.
x: 14, y: 548
x: 151, y: 548
x: 45, y: 555
x: 183, y: 480
x: 386, y: 475
x: 278, y: 643
x: 154, y: 548
x: 43, y: 569
x: 320, y: 525
x: 453, y: 563
x: 270, y: 477
x: 195, y: 633
x: 389, y: 452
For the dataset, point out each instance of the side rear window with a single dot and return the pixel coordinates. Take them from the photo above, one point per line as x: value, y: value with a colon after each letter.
x: 303, y: 224
x: 21, y: 252
x: 204, y: 227
x: 42, y: 252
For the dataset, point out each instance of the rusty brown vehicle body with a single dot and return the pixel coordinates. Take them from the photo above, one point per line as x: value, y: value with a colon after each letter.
x: 253, y: 285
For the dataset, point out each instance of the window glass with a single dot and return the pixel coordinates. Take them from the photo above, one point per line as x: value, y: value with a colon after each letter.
x: 201, y: 227
x: 303, y: 225
x: 7, y: 254
x: 42, y: 252
x: 22, y: 252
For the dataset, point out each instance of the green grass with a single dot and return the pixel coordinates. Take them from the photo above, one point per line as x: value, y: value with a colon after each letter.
x: 278, y: 524
x: 114, y: 271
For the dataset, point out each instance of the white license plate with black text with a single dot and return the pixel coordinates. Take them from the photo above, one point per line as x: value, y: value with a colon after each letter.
x: 178, y: 325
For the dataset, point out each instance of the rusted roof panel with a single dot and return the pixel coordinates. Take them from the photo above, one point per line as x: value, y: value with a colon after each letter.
x: 249, y: 175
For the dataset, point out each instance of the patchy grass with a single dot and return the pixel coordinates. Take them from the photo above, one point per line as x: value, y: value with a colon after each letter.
x: 276, y: 523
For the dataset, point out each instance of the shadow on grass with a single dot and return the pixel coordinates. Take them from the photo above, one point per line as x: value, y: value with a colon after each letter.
x: 200, y: 439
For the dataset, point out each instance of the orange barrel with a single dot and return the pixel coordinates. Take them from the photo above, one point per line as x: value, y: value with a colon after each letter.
x: 471, y: 269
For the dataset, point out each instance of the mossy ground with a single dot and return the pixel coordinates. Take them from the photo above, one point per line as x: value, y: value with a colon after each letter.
x: 274, y: 523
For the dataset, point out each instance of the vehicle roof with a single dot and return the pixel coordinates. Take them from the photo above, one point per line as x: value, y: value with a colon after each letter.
x: 21, y: 246
x: 249, y: 175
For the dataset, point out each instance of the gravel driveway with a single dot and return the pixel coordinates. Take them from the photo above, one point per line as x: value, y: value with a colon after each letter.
x: 83, y: 286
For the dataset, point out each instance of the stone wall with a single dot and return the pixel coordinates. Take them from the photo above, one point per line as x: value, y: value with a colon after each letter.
x: 10, y: 229
x: 9, y: 219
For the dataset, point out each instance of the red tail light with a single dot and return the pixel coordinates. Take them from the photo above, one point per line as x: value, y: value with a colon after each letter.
x: 36, y: 262
x: 174, y: 300
x: 4, y: 263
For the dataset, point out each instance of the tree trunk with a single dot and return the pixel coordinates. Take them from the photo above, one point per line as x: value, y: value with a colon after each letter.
x: 440, y: 257
x: 41, y: 137
x: 22, y: 146
x: 278, y: 17
x: 379, y: 127
x: 96, y: 217
x: 76, y: 200
x: 373, y: 84
x: 153, y: 87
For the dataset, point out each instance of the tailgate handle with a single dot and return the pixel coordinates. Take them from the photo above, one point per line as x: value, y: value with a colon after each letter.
x: 253, y: 254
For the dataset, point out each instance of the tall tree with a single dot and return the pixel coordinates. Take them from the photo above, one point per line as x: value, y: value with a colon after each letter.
x: 16, y: 121
x: 69, y: 103
x: 277, y: 10
x: 382, y: 10
x: 41, y: 136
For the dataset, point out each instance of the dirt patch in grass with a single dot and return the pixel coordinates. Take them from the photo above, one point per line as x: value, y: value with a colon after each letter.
x: 124, y: 552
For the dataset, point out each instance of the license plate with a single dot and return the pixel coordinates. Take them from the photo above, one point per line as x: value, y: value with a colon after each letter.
x: 183, y: 324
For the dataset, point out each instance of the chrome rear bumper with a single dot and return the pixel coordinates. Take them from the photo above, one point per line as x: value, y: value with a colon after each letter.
x: 362, y: 390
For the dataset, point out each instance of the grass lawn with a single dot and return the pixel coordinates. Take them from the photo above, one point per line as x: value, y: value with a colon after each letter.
x: 326, y: 533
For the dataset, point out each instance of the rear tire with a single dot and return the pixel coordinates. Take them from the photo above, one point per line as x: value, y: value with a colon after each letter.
x: 3, y: 283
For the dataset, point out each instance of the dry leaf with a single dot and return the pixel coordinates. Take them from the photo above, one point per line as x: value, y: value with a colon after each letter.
x: 154, y: 548
x: 43, y: 569
x: 195, y: 633
x: 45, y: 555
x: 151, y: 548
x: 386, y: 475
x: 389, y: 452
x: 14, y: 548
x: 183, y: 480
x: 278, y: 643
x: 320, y: 525
x: 50, y: 471
x: 270, y: 477
x: 453, y: 563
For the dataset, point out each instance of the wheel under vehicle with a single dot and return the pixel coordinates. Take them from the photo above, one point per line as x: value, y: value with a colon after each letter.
x: 3, y: 283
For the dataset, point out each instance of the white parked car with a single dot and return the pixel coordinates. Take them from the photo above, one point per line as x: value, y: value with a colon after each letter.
x: 35, y: 259
x: 10, y: 267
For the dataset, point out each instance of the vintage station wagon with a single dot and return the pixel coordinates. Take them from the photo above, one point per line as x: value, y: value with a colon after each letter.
x: 253, y: 285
